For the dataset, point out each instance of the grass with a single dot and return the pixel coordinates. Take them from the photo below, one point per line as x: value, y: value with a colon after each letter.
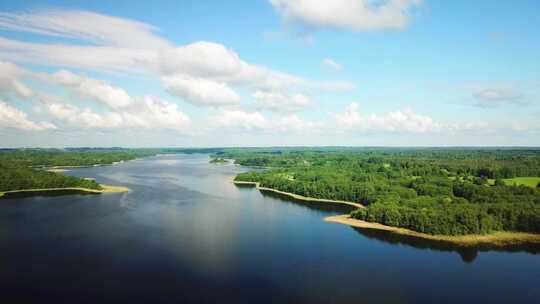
x: 526, y: 181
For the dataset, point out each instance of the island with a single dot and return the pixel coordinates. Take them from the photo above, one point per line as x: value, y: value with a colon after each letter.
x: 467, y: 196
x: 218, y: 160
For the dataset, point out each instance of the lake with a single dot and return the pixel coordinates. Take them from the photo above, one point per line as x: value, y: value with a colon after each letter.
x: 186, y: 233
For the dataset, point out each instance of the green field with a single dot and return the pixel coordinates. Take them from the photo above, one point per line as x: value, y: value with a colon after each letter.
x: 527, y: 181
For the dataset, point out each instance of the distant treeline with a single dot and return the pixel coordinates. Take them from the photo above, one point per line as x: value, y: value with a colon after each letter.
x: 21, y: 168
x: 19, y: 178
x: 436, y: 191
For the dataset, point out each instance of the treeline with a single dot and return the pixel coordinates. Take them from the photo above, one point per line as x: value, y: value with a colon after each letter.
x: 18, y: 178
x: 57, y: 157
x: 22, y: 168
x: 431, y: 191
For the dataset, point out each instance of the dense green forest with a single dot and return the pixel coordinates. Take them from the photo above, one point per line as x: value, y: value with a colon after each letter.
x: 18, y: 178
x: 22, y: 168
x: 451, y: 191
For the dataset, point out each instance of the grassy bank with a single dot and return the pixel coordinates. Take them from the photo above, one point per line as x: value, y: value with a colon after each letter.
x: 498, y: 239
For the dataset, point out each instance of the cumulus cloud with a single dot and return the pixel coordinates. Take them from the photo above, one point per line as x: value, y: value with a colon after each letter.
x: 151, y: 112
x: 146, y: 112
x: 204, y: 73
x: 396, y: 122
x: 84, y: 118
x: 11, y: 117
x: 200, y: 91
x: 113, y: 44
x: 356, y: 15
x: 293, y: 123
x: 331, y: 64
x: 238, y: 120
x: 281, y: 102
x: 11, y: 80
x: 494, y: 97
x: 94, y: 89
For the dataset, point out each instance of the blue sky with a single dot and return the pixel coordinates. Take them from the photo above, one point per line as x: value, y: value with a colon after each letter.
x: 263, y: 73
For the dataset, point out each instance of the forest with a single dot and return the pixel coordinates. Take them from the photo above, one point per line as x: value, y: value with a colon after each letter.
x: 448, y: 191
x: 24, y: 168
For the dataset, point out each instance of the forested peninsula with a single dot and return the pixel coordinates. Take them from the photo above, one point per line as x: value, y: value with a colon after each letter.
x: 26, y: 170
x: 433, y: 191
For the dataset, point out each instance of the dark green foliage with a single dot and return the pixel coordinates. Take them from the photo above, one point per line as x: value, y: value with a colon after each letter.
x: 436, y: 191
x: 17, y: 178
x: 21, y: 168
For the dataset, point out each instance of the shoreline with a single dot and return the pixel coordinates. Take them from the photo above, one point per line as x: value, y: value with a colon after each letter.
x: 62, y: 168
x: 497, y: 239
x: 257, y: 185
x: 106, y: 189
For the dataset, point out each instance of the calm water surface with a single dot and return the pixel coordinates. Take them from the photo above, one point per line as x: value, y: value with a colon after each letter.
x: 185, y: 233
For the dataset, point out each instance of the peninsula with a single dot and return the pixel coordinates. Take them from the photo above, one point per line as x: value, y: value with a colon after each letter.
x: 463, y: 196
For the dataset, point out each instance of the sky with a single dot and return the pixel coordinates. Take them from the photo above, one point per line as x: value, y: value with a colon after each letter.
x: 269, y: 73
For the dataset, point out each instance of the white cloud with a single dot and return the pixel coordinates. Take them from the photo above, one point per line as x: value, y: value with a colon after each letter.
x: 293, y: 123
x: 494, y: 97
x: 121, y: 45
x: 281, y: 102
x: 331, y: 64
x: 190, y: 71
x: 87, y: 26
x: 94, y: 89
x: 101, y: 58
x: 356, y: 15
x: 200, y: 91
x: 151, y: 112
x: 147, y: 112
x: 237, y: 119
x: 84, y: 118
x: 11, y: 117
x: 10, y: 80
x: 396, y: 122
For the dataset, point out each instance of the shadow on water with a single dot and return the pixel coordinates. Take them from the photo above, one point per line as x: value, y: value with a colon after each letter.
x: 468, y: 254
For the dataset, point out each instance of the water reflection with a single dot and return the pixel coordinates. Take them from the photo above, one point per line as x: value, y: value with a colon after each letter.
x: 186, y: 234
x: 467, y: 254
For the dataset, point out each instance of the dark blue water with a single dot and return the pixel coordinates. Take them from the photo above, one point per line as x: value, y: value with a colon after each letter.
x: 185, y: 234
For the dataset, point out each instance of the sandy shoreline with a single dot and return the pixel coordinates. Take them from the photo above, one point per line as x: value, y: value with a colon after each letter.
x: 106, y: 189
x: 299, y: 197
x: 499, y: 239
